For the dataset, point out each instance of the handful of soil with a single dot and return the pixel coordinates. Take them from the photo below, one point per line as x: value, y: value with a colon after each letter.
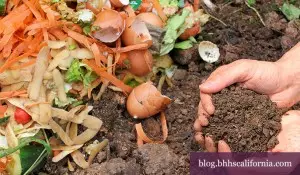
x: 245, y: 120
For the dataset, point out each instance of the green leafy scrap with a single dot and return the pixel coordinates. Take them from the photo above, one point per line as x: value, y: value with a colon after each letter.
x: 24, y: 142
x: 186, y: 44
x: 251, y: 2
x: 290, y: 11
x: 175, y: 27
x: 4, y: 120
x: 79, y: 72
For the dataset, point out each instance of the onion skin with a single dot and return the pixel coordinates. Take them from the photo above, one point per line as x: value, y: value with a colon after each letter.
x: 131, y: 37
x: 193, y: 31
x: 151, y: 18
x: 141, y: 62
x: 111, y: 26
x: 145, y: 101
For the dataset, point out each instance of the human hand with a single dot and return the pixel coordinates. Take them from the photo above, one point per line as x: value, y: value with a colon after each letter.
x: 288, y: 138
x: 279, y: 80
x: 289, y: 141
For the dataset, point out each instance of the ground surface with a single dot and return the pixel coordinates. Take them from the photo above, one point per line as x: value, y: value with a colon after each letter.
x: 243, y: 37
x: 247, y: 121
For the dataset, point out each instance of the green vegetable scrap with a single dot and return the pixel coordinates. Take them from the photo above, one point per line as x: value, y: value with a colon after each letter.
x: 174, y: 28
x: 186, y: 44
x: 4, y: 120
x: 251, y: 2
x: 3, y: 7
x: 22, y: 143
x: 80, y: 72
x: 290, y: 11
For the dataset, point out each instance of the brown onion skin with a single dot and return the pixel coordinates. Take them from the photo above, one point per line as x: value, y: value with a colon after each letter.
x: 140, y: 62
x: 151, y: 18
x: 193, y: 31
x: 145, y: 101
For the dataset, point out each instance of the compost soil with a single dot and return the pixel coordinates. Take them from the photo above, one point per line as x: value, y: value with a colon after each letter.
x: 242, y: 36
x: 247, y: 121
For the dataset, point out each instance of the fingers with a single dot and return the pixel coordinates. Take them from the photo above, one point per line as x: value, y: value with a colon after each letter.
x: 202, y: 115
x: 197, y: 125
x: 207, y: 103
x: 200, y: 139
x: 224, y: 76
x: 223, y: 147
x: 209, y: 144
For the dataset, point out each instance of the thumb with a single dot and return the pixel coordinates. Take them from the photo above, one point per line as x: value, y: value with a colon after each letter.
x: 223, y: 147
x: 236, y: 72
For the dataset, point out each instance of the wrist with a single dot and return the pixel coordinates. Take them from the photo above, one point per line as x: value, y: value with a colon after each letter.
x: 289, y: 67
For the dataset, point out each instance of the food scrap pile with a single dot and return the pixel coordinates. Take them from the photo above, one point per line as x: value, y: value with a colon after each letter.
x: 55, y: 53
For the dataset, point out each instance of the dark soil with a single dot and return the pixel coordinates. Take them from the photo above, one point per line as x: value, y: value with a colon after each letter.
x: 247, y: 121
x: 244, y: 36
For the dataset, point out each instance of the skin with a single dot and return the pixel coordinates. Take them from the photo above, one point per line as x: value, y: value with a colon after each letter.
x: 279, y: 80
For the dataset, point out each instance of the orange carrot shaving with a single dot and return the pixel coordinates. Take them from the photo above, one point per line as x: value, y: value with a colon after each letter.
x: 141, y: 46
x: 59, y: 34
x: 78, y: 37
x: 102, y: 73
x: 45, y: 34
x: 35, y: 12
x: 142, y: 137
x: 21, y: 66
x: 129, y: 10
x: 8, y: 48
x: 9, y: 63
x: 3, y: 109
x: 10, y: 94
x: 91, y: 8
x: 98, y: 56
x: 159, y: 10
x: 196, y: 5
x: 76, y: 28
x: 4, y: 40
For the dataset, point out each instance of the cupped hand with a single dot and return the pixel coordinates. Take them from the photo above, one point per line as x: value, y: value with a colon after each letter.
x: 288, y: 137
x: 289, y: 141
x: 279, y: 80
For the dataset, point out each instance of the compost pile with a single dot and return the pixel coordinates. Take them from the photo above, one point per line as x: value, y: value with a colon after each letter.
x: 247, y: 121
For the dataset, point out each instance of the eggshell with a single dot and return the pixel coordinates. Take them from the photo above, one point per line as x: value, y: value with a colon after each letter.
x: 119, y: 3
x: 110, y: 26
x: 151, y: 18
x: 141, y: 62
x: 145, y: 101
x: 136, y: 32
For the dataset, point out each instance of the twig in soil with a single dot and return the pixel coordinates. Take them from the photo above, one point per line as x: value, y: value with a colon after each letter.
x: 215, y: 18
x: 257, y: 13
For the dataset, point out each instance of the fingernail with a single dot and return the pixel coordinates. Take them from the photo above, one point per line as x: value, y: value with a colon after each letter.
x: 206, y: 85
x: 204, y: 121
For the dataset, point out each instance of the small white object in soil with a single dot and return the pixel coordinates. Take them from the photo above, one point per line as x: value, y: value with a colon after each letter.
x: 208, y: 51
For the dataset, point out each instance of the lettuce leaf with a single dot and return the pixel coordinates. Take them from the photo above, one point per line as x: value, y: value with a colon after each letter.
x: 290, y: 11
x: 174, y: 28
x: 168, y: 3
x: 186, y: 44
x: 80, y: 72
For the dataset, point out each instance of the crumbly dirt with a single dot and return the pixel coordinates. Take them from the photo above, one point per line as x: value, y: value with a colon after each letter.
x: 247, y: 121
x: 244, y: 36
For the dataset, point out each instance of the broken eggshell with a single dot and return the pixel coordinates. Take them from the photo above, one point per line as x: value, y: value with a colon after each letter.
x: 208, y: 51
x: 119, y: 3
x: 145, y: 101
x: 140, y: 62
x: 151, y: 18
x: 136, y: 32
x: 109, y: 26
